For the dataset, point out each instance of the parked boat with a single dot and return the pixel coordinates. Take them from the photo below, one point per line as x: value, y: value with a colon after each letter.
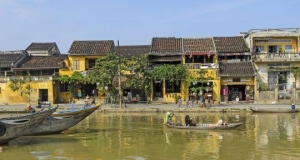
x: 63, y: 120
x: 16, y: 126
x: 206, y: 126
x: 273, y: 110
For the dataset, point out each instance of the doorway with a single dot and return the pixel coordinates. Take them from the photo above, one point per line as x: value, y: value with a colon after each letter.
x: 43, y: 94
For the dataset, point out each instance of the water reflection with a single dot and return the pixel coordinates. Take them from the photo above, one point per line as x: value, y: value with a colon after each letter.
x: 143, y: 136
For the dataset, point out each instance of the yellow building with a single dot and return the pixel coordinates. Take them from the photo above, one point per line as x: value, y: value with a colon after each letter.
x: 82, y: 57
x: 36, y: 71
x: 200, y: 54
x: 236, y: 70
x: 195, y: 54
x: 274, y: 52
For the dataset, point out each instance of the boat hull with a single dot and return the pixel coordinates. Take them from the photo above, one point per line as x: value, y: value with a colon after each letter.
x: 59, y: 122
x: 273, y: 110
x: 16, y: 126
x: 206, y: 126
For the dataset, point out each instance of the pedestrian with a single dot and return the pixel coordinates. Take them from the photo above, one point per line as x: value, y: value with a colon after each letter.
x: 293, y: 107
x: 179, y: 102
x: 187, y: 102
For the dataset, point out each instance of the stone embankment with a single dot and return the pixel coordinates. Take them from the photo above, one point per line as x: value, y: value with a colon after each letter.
x: 159, y: 108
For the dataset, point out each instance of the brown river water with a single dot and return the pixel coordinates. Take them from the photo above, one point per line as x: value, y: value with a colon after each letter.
x: 142, y: 136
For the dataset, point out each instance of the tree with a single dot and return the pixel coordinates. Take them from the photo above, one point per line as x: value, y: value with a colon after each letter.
x: 105, y: 72
x: 17, y: 84
x: 172, y: 73
x: 138, y: 75
x: 296, y: 73
x: 72, y: 82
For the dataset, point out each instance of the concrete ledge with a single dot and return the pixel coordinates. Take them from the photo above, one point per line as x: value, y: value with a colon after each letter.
x: 175, y: 110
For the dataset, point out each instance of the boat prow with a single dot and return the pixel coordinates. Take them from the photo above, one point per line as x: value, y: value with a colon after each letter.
x: 59, y: 122
x: 16, y: 126
x: 273, y: 110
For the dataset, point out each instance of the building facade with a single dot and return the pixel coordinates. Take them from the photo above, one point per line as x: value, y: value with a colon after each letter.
x: 275, y: 52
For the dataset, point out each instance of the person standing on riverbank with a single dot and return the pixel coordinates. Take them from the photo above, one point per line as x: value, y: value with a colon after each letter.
x: 293, y: 107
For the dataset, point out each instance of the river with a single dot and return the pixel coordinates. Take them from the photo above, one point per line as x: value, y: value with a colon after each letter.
x: 142, y: 136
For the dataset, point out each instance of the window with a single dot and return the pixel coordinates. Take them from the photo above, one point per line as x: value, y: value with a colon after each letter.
x: 172, y: 87
x: 63, y: 87
x: 76, y: 65
x: 272, y: 79
x: 272, y: 49
x: 288, y: 48
x: 260, y: 49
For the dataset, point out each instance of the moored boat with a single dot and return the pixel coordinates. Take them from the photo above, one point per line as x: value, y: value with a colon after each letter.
x: 16, y: 126
x: 61, y: 121
x: 206, y: 126
x: 273, y: 110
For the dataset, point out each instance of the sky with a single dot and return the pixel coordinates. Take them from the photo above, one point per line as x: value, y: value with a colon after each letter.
x: 136, y: 22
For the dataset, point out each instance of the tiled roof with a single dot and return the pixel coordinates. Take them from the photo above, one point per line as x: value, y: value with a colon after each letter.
x: 165, y: 59
x: 230, y: 44
x: 8, y: 58
x: 135, y: 50
x: 236, y: 69
x: 198, y: 45
x: 170, y: 45
x: 43, y: 62
x: 92, y: 47
x: 41, y: 46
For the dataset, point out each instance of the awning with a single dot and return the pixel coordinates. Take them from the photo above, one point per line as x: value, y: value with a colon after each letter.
x: 199, y: 53
x: 233, y: 54
x: 166, y: 59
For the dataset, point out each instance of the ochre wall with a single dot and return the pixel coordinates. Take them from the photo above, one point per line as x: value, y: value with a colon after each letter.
x: 7, y: 96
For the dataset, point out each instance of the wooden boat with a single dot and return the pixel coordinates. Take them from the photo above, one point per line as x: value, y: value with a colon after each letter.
x: 273, y: 110
x: 16, y: 126
x: 61, y: 121
x: 206, y: 126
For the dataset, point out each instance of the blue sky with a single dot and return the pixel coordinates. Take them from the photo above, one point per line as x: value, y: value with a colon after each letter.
x: 136, y: 22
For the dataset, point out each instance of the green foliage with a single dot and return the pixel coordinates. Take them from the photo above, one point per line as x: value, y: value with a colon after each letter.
x: 199, y: 76
x: 72, y: 82
x: 105, y: 72
x: 169, y: 72
x: 295, y: 71
x: 139, y: 76
x: 263, y: 87
x: 16, y: 84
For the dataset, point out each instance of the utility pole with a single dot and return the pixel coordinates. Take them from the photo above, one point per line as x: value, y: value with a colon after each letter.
x: 119, y: 77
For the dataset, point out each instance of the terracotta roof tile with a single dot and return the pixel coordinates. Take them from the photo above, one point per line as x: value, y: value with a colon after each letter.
x: 135, y: 50
x: 8, y: 58
x: 43, y: 62
x: 236, y: 69
x: 92, y: 47
x: 199, y: 45
x: 41, y: 46
x: 230, y: 44
x: 166, y: 45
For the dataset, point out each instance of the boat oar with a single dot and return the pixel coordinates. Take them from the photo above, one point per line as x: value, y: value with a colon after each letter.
x: 178, y: 119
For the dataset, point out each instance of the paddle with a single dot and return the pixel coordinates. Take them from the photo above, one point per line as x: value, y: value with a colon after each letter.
x: 178, y: 119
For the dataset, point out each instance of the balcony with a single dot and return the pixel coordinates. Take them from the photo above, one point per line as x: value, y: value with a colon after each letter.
x: 201, y: 65
x: 276, y: 57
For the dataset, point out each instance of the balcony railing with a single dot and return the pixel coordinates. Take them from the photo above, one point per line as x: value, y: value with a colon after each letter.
x: 276, y: 57
x: 5, y: 79
x: 200, y: 65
